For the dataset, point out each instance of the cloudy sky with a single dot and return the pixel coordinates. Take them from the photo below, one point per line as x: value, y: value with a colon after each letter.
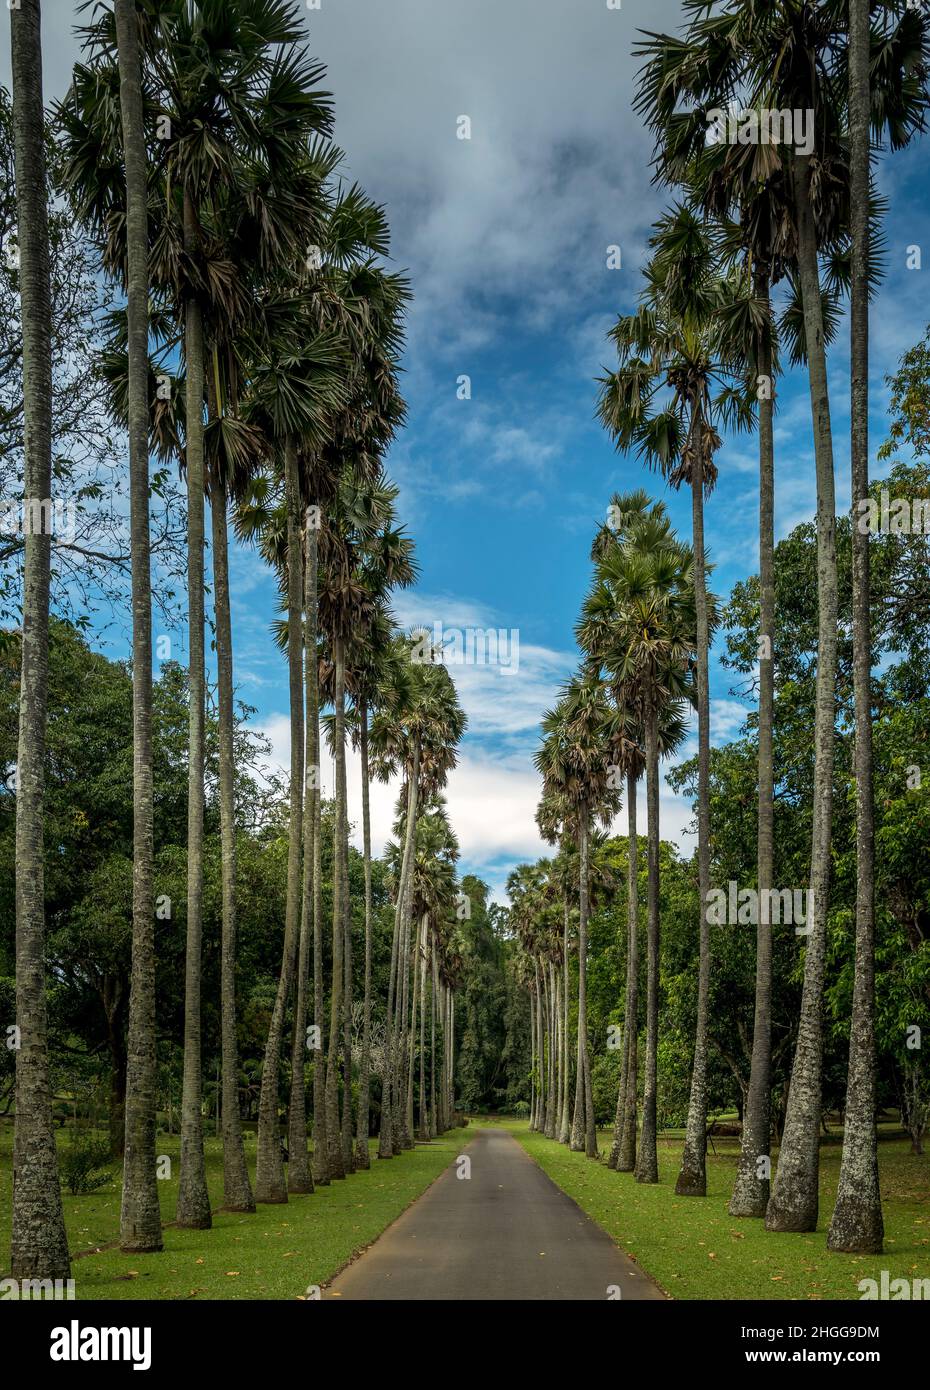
x: 505, y: 237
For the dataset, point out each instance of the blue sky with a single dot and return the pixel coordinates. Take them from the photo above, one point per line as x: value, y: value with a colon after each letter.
x: 505, y: 238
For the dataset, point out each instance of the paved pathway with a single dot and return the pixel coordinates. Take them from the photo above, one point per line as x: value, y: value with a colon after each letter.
x: 507, y: 1232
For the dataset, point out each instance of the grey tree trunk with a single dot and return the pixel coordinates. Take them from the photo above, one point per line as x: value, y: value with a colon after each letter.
x: 857, y: 1225
x: 564, y: 1117
x: 140, y: 1217
x: 751, y: 1190
x: 348, y: 1153
x: 390, y: 1096
x: 333, y: 1122
x: 793, y: 1204
x: 452, y: 1054
x: 270, y: 1182
x: 423, y: 1130
x: 193, y: 1208
x: 404, y: 1108
x: 386, y: 1127
x: 625, y: 1160
x: 299, y: 1172
x: 362, y: 1158
x: 540, y: 1050
x: 312, y: 905
x: 647, y: 1160
x: 433, y: 1129
x: 692, y: 1177
x: 39, y: 1240
x: 237, y: 1190
x: 414, y: 929
x: 553, y: 1062
x: 534, y: 1114
x: 583, y: 1135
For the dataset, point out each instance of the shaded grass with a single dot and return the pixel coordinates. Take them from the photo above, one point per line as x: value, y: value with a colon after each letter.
x: 276, y: 1253
x: 695, y: 1250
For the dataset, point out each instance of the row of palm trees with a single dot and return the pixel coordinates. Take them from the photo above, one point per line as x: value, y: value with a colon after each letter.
x: 259, y: 350
x: 748, y: 267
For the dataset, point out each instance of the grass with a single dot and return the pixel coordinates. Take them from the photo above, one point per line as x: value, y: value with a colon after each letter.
x: 695, y: 1250
x: 276, y: 1253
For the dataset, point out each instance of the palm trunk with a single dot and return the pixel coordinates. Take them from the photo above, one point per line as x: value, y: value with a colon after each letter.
x: 583, y: 1135
x: 404, y: 1113
x: 751, y: 1191
x: 541, y: 1048
x: 140, y: 1218
x: 423, y: 1132
x: 534, y: 1117
x: 348, y: 1155
x: 452, y: 1055
x: 390, y: 1095
x: 412, y: 1028
x: 386, y: 1127
x: 39, y: 1240
x: 625, y: 1158
x: 312, y: 906
x: 399, y: 1079
x: 362, y: 1158
x: 692, y: 1177
x: 793, y: 1204
x: 647, y: 1160
x: 564, y: 1118
x: 299, y: 1174
x: 433, y: 1130
x: 552, y: 1094
x: 193, y: 1209
x: 270, y: 1183
x: 333, y: 1123
x: 237, y: 1190
x: 857, y: 1225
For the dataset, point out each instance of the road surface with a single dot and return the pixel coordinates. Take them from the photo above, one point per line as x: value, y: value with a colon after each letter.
x: 506, y: 1232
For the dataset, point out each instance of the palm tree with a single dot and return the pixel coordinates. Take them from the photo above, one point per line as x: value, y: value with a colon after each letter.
x: 294, y: 395
x: 418, y: 734
x: 373, y: 674
x: 39, y: 1240
x: 574, y: 760
x: 650, y: 597
x: 857, y: 1224
x: 791, y: 55
x: 678, y: 340
x: 610, y: 618
x: 140, y: 1215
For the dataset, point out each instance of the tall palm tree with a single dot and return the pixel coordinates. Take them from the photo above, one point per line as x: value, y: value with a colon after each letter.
x: 677, y: 342
x: 857, y: 1224
x: 624, y: 598
x: 39, y: 1240
x: 417, y: 735
x: 140, y: 1215
x: 575, y: 760
x: 294, y: 395
x: 373, y: 674
x: 792, y: 55
x: 649, y: 578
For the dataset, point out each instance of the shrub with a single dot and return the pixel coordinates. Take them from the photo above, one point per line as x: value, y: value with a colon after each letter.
x: 81, y: 1166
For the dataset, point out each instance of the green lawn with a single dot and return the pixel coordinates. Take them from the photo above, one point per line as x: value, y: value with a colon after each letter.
x: 694, y: 1249
x: 276, y: 1253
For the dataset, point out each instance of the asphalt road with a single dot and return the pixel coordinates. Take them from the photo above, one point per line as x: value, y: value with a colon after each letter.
x: 506, y: 1232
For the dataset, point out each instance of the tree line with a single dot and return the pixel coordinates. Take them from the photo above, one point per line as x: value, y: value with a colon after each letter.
x: 253, y: 342
x: 746, y: 278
